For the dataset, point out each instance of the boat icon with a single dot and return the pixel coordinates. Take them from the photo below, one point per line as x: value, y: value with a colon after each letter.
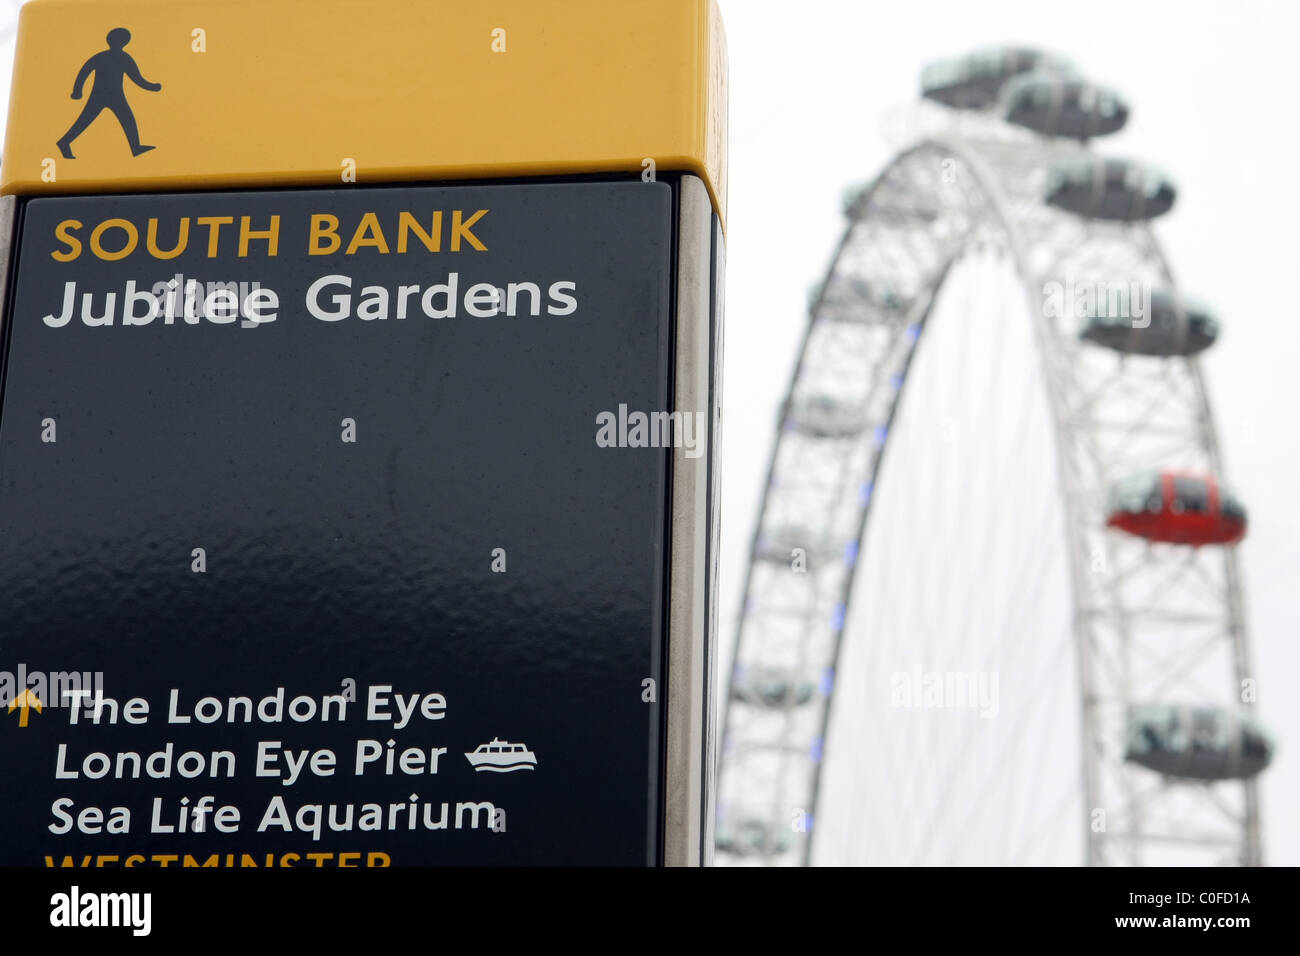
x: 501, y: 756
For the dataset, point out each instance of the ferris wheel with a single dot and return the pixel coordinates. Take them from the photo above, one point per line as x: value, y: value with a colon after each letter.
x: 993, y: 611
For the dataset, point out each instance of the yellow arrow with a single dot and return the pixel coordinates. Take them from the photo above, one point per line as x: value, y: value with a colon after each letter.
x: 25, y: 700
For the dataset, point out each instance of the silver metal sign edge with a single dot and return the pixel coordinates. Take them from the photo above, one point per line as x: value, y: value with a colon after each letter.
x: 687, y: 696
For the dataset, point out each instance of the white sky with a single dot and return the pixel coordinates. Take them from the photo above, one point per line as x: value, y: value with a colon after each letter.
x: 1213, y: 86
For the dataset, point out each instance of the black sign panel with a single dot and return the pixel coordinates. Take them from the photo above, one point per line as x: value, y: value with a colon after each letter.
x: 311, y: 550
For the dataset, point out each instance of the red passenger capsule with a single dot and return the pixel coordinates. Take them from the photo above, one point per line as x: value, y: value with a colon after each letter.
x: 1176, y: 508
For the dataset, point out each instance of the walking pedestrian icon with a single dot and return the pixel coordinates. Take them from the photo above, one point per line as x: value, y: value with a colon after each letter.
x: 111, y: 68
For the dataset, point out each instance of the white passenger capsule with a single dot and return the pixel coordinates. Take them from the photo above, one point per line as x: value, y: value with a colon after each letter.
x: 1196, y: 743
x: 973, y: 82
x: 1173, y: 327
x: 825, y: 416
x: 1119, y: 190
x: 1054, y: 105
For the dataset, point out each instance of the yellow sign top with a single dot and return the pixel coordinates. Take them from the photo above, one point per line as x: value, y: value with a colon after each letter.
x: 135, y: 95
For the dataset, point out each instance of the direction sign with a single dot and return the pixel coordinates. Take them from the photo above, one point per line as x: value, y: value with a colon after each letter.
x: 363, y: 515
x: 350, y: 511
